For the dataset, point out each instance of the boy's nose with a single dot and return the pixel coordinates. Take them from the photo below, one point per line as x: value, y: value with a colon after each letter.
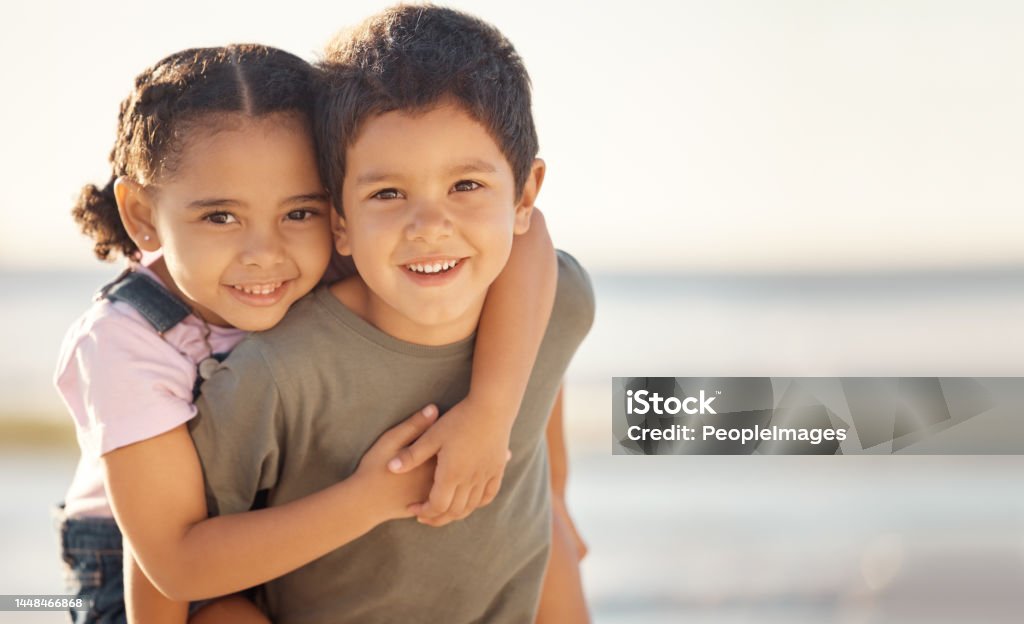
x: 263, y: 249
x: 428, y: 221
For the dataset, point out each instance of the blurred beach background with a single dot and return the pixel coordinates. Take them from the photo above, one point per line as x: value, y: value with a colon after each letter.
x: 787, y: 189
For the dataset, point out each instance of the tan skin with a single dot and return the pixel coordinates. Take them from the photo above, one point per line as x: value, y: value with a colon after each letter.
x: 561, y: 599
x: 160, y: 504
x: 400, y: 204
x: 561, y: 602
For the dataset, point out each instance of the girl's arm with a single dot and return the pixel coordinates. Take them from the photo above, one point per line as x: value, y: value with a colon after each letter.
x: 143, y: 601
x: 156, y: 491
x: 146, y: 605
x: 471, y: 440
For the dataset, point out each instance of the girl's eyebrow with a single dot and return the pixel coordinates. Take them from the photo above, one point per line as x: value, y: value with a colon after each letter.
x: 220, y: 202
x: 306, y: 197
x: 213, y: 202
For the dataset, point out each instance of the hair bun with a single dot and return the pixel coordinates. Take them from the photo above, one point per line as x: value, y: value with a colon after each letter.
x: 97, y: 216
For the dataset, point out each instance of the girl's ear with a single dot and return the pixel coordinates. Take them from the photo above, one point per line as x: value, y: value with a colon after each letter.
x: 136, y: 209
x: 340, y: 231
x: 524, y: 209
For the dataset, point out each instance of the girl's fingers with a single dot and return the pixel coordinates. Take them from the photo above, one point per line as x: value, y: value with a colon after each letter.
x: 473, y: 502
x: 490, y: 491
x: 407, y: 431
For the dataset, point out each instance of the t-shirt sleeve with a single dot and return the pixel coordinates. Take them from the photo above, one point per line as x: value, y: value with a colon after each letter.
x: 237, y: 431
x: 123, y: 383
x: 574, y: 298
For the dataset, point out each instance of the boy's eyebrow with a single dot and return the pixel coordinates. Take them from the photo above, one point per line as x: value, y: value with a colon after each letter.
x: 372, y: 177
x: 471, y: 166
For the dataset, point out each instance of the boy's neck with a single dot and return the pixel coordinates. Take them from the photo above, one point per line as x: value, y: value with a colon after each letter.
x: 355, y: 295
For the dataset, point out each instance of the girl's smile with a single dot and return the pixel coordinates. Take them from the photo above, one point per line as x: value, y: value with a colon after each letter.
x: 261, y: 294
x: 242, y: 220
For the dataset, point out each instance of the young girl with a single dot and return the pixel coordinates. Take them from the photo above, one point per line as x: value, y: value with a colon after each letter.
x: 214, y: 168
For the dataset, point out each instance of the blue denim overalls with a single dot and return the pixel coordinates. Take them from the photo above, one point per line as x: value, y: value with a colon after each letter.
x: 91, y: 547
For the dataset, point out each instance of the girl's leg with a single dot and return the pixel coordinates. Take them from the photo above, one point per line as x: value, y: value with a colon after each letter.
x: 235, y: 609
x: 91, y: 549
x: 561, y: 598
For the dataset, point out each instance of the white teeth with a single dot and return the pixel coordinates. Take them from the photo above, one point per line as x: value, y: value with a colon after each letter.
x: 435, y: 267
x: 259, y: 289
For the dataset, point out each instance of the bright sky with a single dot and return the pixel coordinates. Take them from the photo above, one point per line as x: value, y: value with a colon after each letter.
x: 733, y: 135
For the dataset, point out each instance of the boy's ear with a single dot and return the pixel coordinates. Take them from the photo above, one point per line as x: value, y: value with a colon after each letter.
x: 135, y: 207
x: 340, y: 231
x: 524, y: 209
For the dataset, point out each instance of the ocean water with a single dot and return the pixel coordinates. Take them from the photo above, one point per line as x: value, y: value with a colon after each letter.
x: 701, y: 539
x: 952, y: 323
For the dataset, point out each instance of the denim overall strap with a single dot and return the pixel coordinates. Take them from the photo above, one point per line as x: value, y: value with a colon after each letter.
x: 154, y: 302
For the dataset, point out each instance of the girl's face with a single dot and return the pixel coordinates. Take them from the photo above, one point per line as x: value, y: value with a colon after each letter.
x: 243, y: 220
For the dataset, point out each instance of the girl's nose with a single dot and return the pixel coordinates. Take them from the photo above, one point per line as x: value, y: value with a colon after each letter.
x: 263, y: 249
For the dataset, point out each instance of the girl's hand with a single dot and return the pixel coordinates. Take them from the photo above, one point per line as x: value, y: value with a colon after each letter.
x: 391, y: 495
x: 471, y: 456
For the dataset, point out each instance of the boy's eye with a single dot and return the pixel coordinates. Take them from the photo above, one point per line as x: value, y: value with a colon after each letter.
x: 389, y: 193
x: 465, y: 185
x: 302, y: 214
x: 220, y: 218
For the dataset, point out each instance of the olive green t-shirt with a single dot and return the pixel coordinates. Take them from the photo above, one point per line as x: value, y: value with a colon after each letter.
x: 292, y: 411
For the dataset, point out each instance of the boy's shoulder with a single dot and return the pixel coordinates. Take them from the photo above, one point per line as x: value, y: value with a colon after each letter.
x: 574, y: 297
x: 309, y: 337
x: 303, y: 326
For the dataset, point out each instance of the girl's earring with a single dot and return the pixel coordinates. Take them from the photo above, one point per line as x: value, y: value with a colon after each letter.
x: 146, y: 237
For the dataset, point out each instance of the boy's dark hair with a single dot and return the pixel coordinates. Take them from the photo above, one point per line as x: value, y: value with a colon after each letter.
x: 410, y: 57
x: 184, y: 90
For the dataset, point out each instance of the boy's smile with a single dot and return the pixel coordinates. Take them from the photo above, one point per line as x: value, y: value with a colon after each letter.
x: 430, y: 210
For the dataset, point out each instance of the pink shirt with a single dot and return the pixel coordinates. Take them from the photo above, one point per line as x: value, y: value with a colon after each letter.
x: 124, y: 383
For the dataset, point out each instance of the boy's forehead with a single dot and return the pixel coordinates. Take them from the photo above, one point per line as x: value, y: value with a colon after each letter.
x: 444, y: 139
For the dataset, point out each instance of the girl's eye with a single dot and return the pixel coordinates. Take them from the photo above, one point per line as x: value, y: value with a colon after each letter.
x: 220, y: 218
x: 389, y: 193
x: 302, y: 214
x: 465, y: 185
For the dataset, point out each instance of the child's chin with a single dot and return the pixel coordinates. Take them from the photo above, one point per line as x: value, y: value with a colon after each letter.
x: 254, y: 324
x: 434, y: 316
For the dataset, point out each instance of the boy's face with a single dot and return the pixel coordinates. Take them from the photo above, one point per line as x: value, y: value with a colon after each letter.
x: 430, y: 212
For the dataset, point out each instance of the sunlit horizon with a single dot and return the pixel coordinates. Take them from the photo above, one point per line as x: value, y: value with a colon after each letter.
x: 733, y: 137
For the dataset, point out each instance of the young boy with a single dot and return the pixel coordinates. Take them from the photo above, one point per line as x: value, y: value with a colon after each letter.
x: 429, y: 154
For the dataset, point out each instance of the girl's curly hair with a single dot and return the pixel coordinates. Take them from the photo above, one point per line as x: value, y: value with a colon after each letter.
x: 183, y: 90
